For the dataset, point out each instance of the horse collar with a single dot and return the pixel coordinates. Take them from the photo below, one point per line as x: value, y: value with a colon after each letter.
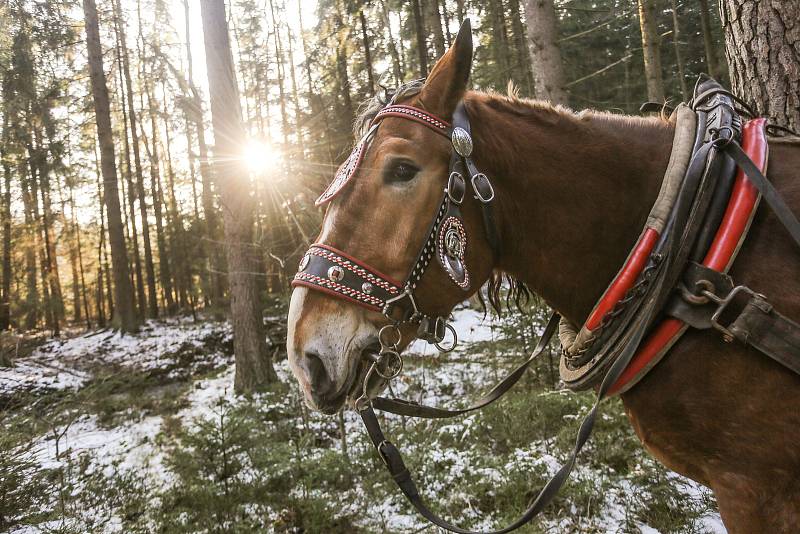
x: 329, y: 270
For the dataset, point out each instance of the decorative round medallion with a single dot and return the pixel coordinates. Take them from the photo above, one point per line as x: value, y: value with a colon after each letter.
x: 462, y: 141
x: 451, y: 249
x: 367, y: 288
x: 452, y: 243
x: 335, y: 273
x: 303, y: 263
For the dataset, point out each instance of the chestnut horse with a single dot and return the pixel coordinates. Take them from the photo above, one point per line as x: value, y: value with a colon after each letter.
x: 572, y: 194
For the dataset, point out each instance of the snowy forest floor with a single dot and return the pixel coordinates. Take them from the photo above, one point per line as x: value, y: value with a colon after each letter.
x: 142, y: 433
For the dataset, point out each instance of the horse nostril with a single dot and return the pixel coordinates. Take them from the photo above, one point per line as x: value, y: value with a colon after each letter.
x: 317, y: 374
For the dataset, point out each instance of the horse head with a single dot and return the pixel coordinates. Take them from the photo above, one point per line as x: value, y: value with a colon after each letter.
x: 384, y: 206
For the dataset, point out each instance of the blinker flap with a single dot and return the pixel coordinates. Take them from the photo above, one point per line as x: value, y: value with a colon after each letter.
x: 347, y: 169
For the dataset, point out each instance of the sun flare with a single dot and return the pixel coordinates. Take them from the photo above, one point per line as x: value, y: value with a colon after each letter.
x: 261, y: 156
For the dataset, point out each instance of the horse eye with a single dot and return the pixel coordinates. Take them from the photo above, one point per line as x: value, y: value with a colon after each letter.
x: 401, y: 172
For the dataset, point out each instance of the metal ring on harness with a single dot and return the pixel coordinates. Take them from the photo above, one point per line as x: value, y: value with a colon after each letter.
x: 454, y: 343
x: 392, y: 362
x: 384, y: 344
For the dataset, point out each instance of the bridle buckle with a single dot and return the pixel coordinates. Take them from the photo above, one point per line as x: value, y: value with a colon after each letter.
x: 484, y: 191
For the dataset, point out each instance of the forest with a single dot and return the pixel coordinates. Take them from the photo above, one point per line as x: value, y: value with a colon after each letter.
x: 160, y: 162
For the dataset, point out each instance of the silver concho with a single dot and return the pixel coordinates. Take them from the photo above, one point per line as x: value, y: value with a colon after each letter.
x: 367, y: 288
x: 335, y: 273
x: 303, y: 263
x: 452, y: 243
x: 462, y: 141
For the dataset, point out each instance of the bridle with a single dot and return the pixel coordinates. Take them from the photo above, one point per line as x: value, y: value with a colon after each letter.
x: 334, y: 272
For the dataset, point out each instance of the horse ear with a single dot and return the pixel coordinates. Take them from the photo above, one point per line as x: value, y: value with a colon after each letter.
x: 447, y: 82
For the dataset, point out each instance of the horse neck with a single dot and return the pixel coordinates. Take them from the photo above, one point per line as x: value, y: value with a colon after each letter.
x: 573, y: 192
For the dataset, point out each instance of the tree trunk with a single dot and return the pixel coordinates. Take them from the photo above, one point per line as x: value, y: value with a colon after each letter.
x: 5, y: 295
x: 500, y: 50
x: 367, y: 53
x: 253, y: 365
x: 152, y: 298
x: 125, y: 316
x: 434, y: 22
x: 213, y: 260
x: 422, y: 47
x: 548, y: 69
x: 651, y: 50
x: 164, y: 268
x: 762, y: 45
x: 396, y: 69
x: 521, y: 56
x: 131, y: 195
x: 712, y: 64
x: 676, y: 33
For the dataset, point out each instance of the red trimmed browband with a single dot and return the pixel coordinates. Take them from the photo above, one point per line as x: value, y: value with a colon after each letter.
x: 415, y: 114
x: 732, y: 230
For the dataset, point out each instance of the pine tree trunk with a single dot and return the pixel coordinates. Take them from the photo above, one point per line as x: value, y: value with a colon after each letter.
x: 131, y: 195
x: 434, y: 22
x: 396, y: 69
x: 164, y: 268
x: 712, y: 64
x: 651, y: 50
x: 5, y: 296
x: 31, y: 287
x: 522, y: 59
x: 762, y: 45
x: 422, y: 47
x: 253, y: 365
x: 152, y: 298
x: 676, y: 34
x: 213, y: 260
x: 500, y: 50
x: 124, y: 316
x: 367, y: 53
x: 548, y: 69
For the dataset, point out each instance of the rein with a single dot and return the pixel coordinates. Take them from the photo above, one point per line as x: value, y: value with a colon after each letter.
x: 682, y: 229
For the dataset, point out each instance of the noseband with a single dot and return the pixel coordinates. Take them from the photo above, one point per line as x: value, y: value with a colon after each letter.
x: 333, y: 272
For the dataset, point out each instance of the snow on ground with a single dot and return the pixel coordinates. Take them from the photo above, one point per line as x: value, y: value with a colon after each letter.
x: 67, y: 364
x: 132, y: 444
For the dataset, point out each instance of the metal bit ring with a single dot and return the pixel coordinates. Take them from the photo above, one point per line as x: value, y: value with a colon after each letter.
x: 454, y: 343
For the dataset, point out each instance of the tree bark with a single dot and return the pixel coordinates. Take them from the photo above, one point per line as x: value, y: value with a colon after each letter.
x: 367, y: 53
x: 213, y: 259
x: 125, y: 317
x: 762, y: 46
x: 422, y: 47
x: 152, y: 298
x: 5, y: 298
x: 253, y: 365
x: 548, y: 69
x: 676, y: 33
x: 651, y: 50
x: 434, y: 22
x: 522, y: 58
x: 712, y: 65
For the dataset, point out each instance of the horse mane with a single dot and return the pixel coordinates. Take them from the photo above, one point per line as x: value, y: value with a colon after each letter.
x: 502, y: 289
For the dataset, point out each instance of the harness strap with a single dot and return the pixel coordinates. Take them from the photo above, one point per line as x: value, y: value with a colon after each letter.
x: 765, y: 187
x: 738, y: 313
x: 414, y: 409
